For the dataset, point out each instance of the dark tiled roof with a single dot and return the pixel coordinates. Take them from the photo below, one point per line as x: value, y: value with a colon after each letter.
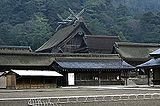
x: 151, y: 63
x: 156, y: 53
x: 61, y: 36
x: 135, y: 51
x: 101, y: 43
x: 116, y: 64
x: 15, y: 49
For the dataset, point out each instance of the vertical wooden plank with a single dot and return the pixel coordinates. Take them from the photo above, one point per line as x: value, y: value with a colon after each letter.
x: 11, y: 80
x: 2, y: 82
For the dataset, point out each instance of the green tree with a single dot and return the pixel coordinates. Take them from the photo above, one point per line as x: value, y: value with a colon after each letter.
x: 96, y: 26
x: 33, y: 32
x: 122, y: 37
x: 31, y: 22
x: 150, y: 27
x: 122, y: 11
x: 5, y: 34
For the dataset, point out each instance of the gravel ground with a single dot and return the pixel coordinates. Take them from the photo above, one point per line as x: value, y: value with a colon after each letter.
x: 76, y: 91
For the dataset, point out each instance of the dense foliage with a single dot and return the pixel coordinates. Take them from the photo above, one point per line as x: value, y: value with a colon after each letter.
x: 32, y: 22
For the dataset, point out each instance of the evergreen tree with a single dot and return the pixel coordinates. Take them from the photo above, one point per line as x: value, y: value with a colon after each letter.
x: 122, y: 37
x: 32, y: 22
x: 33, y: 32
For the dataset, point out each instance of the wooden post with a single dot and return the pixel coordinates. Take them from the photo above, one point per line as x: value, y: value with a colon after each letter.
x: 153, y: 74
x: 148, y: 73
x: 99, y: 77
x: 30, y: 82
x: 126, y: 77
x: 44, y: 82
x: 120, y: 77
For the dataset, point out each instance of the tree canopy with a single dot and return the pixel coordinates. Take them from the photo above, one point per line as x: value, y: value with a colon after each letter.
x: 32, y: 22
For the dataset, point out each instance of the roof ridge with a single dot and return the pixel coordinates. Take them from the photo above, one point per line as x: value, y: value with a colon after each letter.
x: 91, y: 57
x: 5, y: 46
x: 75, y: 55
x: 137, y: 44
x: 107, y: 36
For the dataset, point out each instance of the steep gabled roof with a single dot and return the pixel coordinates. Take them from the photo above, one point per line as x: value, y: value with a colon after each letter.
x: 62, y: 35
x: 101, y: 42
x: 135, y: 51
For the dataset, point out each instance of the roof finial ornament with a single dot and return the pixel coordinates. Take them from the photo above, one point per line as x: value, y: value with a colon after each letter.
x: 71, y: 19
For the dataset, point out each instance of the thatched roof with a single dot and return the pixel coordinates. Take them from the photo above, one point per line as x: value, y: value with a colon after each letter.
x: 25, y: 59
x: 63, y: 36
x: 15, y: 49
x: 41, y: 59
x: 100, y: 43
x: 135, y: 51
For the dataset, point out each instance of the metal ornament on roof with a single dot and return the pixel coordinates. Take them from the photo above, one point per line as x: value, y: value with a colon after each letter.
x: 71, y: 19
